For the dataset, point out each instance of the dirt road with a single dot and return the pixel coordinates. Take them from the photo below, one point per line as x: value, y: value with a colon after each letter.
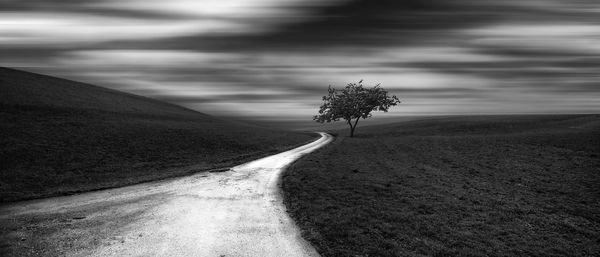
x: 238, y: 212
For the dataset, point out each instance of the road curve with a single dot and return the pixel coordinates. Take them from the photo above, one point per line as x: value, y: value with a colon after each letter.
x: 234, y: 213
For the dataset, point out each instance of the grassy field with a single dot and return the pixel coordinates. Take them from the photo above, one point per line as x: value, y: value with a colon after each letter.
x: 457, y: 186
x: 62, y: 137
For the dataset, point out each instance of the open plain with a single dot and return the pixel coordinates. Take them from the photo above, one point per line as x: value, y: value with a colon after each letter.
x: 514, y: 185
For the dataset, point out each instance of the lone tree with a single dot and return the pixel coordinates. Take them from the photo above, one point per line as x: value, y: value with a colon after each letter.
x: 353, y: 103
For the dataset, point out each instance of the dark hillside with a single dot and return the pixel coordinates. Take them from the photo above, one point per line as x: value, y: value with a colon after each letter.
x: 22, y: 88
x: 60, y: 136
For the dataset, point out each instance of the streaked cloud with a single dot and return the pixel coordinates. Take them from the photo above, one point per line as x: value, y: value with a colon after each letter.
x: 35, y: 28
x: 567, y: 37
x: 275, y: 58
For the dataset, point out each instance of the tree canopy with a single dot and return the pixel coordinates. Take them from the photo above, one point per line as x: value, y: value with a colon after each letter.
x: 353, y: 103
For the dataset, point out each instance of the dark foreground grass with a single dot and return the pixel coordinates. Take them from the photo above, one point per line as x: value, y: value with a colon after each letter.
x: 463, y: 186
x: 62, y: 137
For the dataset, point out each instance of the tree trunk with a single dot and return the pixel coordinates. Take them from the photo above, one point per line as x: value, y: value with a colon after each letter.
x: 353, y: 127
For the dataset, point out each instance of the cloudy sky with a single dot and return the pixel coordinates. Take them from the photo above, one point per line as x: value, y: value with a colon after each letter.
x: 275, y: 58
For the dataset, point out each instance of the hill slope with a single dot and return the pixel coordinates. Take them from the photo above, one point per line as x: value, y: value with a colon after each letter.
x: 61, y: 136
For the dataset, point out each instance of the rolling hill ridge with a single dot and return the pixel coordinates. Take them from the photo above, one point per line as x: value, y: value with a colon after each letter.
x: 62, y: 137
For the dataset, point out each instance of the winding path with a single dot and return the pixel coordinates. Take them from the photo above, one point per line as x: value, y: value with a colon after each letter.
x: 234, y: 213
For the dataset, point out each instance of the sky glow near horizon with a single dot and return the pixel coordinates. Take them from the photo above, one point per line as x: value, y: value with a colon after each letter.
x: 274, y: 59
